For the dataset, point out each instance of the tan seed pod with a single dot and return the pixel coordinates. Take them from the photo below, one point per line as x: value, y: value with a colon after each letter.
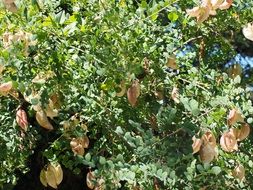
x: 21, y: 119
x: 243, y: 132
x: 8, y: 1
x: 50, y: 177
x: 85, y: 142
x: 50, y: 110
x: 133, y: 93
x: 77, y: 147
x: 208, y: 150
x: 5, y: 88
x: 175, y: 95
x: 42, y: 119
x: 90, y: 180
x: 43, y: 179
x: 228, y: 141
x: 208, y: 153
x: 11, y: 7
x: 239, y: 172
x: 234, y: 117
x: 196, y: 144
x: 56, y: 168
x: 226, y: 4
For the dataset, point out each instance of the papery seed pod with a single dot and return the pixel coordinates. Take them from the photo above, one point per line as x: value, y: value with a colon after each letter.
x: 123, y: 89
x: 248, y: 31
x: 243, y: 132
x: 5, y: 87
x: 11, y: 7
x: 57, y: 170
x: 196, y: 144
x: 194, y: 12
x: 50, y: 177
x: 239, y: 172
x: 204, y: 14
x: 234, y: 117
x: 42, y: 119
x: 175, y: 95
x: 21, y: 119
x: 50, y: 110
x: 226, y: 4
x: 209, y: 138
x: 208, y: 150
x: 43, y: 178
x: 77, y: 147
x: 207, y: 153
x: 90, y: 180
x: 216, y: 3
x: 228, y: 141
x: 133, y: 93
x: 85, y: 142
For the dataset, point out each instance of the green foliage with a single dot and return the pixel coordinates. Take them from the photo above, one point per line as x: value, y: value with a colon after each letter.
x: 83, y: 50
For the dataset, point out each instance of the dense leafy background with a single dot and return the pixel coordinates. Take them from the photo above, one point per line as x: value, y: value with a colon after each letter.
x: 90, y: 46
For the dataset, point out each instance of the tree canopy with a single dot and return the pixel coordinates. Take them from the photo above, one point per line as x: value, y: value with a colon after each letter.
x: 126, y: 94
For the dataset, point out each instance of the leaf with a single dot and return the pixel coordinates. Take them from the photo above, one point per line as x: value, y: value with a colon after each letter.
x: 173, y: 16
x: 216, y: 170
x: 194, y: 107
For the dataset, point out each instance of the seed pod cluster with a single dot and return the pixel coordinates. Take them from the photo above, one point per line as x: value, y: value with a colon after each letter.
x: 79, y: 144
x: 52, y: 175
x: 94, y: 183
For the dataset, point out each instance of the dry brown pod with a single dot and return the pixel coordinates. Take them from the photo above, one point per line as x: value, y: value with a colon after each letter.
x: 50, y: 177
x: 175, y: 95
x: 208, y: 150
x: 228, y: 140
x: 208, y: 153
x: 133, y: 93
x: 43, y: 178
x: 77, y: 146
x: 21, y: 118
x: 50, y: 110
x: 90, y: 180
x: 244, y: 132
x: 85, y: 142
x: 43, y: 121
x: 5, y: 88
x: 57, y: 170
x: 196, y: 144
x: 234, y: 117
x: 239, y: 172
